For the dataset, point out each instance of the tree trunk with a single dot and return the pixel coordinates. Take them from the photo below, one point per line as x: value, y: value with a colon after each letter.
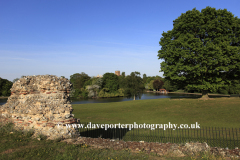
x: 205, y: 94
x: 134, y: 97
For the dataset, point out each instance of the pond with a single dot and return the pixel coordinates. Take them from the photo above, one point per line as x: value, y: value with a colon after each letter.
x: 144, y: 96
x: 120, y: 99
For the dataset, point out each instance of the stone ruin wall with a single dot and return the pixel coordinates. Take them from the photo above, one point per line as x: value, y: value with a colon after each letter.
x: 41, y: 103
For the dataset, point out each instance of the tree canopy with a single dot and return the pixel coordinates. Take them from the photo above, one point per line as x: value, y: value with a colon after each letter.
x: 110, y: 81
x: 202, y: 50
x: 157, y: 84
x: 133, y: 85
x: 78, y: 80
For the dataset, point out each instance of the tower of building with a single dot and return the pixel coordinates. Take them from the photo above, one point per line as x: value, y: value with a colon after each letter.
x: 117, y: 73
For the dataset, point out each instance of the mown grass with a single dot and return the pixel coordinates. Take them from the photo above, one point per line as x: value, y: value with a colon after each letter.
x: 218, y: 112
x: 214, y: 113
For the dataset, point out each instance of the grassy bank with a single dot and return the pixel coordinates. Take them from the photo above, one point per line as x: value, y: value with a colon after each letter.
x: 219, y: 112
x: 20, y: 145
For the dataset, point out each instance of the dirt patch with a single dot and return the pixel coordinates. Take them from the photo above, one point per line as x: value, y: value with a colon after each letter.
x: 7, y: 151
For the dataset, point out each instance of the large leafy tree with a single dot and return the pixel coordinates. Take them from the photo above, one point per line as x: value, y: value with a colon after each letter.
x: 157, y: 84
x: 78, y: 80
x: 110, y: 81
x: 202, y: 50
x: 122, y: 80
x: 134, y: 85
x: 144, y: 78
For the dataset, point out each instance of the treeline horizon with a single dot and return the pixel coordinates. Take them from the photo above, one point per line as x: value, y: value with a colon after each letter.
x: 111, y: 85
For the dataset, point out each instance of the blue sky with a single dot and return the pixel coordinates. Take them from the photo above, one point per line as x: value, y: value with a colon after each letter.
x: 61, y: 37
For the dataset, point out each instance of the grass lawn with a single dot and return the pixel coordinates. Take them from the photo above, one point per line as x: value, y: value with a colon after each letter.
x: 218, y: 112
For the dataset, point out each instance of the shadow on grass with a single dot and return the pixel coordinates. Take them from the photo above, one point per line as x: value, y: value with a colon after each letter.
x: 210, y: 96
x: 111, y: 133
x: 185, y: 97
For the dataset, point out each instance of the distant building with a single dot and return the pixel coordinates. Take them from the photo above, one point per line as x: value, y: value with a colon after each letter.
x: 163, y: 90
x: 117, y: 73
x: 99, y: 76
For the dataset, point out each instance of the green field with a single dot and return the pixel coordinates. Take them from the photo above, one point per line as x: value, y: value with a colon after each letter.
x: 218, y: 118
x: 218, y: 112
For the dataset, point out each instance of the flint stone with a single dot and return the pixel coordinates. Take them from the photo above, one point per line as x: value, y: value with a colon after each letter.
x: 194, y: 148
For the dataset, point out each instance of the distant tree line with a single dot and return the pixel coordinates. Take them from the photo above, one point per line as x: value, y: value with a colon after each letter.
x: 111, y: 85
